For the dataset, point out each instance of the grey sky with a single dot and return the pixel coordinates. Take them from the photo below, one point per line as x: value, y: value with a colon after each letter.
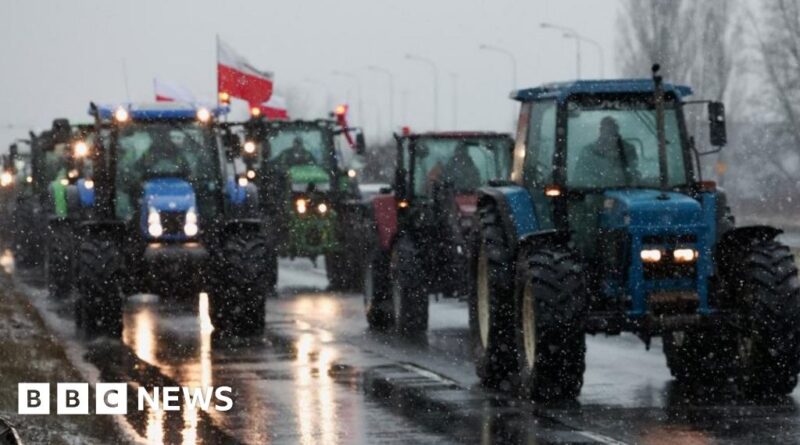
x: 60, y: 54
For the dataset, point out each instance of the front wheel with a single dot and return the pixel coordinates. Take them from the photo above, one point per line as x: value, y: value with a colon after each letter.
x: 57, y: 263
x: 377, y: 304
x: 238, y: 303
x: 551, y: 313
x: 764, y: 285
x: 100, y: 299
x: 409, y: 298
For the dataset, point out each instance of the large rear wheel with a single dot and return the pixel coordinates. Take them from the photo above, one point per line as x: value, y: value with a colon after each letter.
x: 491, y: 308
x: 409, y: 298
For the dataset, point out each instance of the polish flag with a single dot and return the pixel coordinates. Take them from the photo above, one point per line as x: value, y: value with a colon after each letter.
x: 274, y: 108
x: 166, y: 91
x: 238, y: 78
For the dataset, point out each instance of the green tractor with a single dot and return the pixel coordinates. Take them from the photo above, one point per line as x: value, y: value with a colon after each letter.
x: 306, y: 193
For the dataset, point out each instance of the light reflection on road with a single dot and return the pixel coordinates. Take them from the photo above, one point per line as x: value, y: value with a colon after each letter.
x: 315, y: 391
x: 142, y: 334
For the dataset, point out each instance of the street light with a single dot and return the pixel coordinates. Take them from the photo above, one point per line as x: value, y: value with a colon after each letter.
x: 432, y: 64
x: 570, y: 33
x: 390, y: 76
x: 358, y: 91
x: 513, y: 60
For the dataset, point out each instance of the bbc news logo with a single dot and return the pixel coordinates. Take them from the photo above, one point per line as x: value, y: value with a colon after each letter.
x: 112, y: 398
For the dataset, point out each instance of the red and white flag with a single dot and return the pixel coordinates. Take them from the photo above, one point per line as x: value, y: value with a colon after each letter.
x: 274, y: 108
x: 167, y: 91
x: 238, y: 78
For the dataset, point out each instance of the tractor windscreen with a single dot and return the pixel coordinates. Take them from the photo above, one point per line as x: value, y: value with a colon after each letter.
x: 612, y: 142
x: 294, y: 147
x: 463, y: 163
x: 183, y: 150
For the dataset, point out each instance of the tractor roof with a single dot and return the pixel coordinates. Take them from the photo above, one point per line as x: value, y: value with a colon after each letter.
x: 561, y: 90
x: 457, y: 134
x: 158, y: 110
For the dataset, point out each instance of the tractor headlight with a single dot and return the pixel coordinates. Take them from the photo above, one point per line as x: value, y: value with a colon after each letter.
x: 301, y: 206
x: 6, y: 179
x: 322, y: 208
x: 651, y: 255
x: 203, y: 115
x: 121, y: 115
x: 80, y: 149
x: 684, y: 255
x: 190, y: 227
x: 154, y: 227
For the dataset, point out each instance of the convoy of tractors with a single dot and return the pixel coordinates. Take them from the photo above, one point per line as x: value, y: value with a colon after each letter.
x: 594, y: 219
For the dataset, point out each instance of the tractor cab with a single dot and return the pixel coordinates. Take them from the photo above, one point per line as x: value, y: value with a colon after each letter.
x: 638, y: 216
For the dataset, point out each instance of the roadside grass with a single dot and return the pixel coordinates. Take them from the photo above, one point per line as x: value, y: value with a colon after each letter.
x: 29, y: 353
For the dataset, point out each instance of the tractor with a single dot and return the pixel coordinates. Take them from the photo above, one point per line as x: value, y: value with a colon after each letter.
x: 48, y: 180
x: 606, y: 226
x: 160, y: 220
x: 307, y: 195
x: 421, y: 230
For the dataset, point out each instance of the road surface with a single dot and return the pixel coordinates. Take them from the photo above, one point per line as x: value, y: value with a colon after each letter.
x: 312, y: 379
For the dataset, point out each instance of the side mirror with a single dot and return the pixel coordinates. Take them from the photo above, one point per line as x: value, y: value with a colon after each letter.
x: 399, y: 185
x: 13, y: 152
x: 716, y: 124
x: 61, y: 131
x: 232, y: 144
x: 361, y: 145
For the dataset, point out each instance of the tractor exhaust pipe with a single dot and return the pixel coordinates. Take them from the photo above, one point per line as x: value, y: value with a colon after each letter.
x: 658, y: 93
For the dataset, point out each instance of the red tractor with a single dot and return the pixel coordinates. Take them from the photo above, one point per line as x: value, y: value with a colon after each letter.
x: 421, y: 229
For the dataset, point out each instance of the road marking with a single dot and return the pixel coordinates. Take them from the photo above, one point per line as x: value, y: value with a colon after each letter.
x: 601, y: 438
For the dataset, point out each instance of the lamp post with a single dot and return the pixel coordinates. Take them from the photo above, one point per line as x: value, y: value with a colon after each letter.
x: 435, y: 71
x: 513, y: 60
x: 570, y: 33
x: 389, y: 76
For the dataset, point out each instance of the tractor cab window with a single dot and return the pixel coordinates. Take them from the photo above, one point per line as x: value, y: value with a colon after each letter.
x: 541, y: 145
x: 612, y: 142
x: 293, y: 147
x: 165, y: 150
x: 463, y: 164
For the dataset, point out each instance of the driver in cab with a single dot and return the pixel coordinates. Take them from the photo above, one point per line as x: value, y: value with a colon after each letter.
x: 607, y: 162
x: 296, y: 155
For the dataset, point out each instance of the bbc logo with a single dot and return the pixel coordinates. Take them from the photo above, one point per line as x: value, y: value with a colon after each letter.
x: 72, y: 398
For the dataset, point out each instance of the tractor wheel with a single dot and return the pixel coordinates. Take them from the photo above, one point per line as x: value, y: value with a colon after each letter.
x: 551, y: 313
x: 409, y: 299
x: 491, y: 308
x: 377, y: 303
x: 702, y: 357
x: 238, y: 306
x: 342, y: 271
x: 57, y: 261
x: 764, y: 285
x: 100, y: 298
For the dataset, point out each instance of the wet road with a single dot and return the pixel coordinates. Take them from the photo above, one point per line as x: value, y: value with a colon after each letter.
x: 304, y: 381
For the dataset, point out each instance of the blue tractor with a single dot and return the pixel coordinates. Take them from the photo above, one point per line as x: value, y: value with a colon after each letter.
x: 163, y: 220
x: 606, y: 226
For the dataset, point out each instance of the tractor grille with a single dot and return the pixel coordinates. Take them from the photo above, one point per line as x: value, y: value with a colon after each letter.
x: 173, y: 222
